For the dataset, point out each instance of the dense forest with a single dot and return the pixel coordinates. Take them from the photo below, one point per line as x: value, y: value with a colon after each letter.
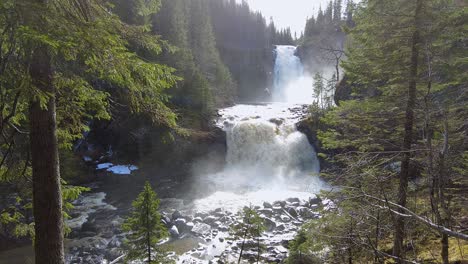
x: 84, y: 83
x: 396, y: 142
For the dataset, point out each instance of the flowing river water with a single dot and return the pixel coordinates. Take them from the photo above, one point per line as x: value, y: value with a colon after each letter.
x: 269, y: 165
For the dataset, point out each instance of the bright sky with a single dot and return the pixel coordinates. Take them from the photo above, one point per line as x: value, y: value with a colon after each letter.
x: 288, y: 13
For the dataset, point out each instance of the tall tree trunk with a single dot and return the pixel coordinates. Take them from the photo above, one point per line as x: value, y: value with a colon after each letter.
x: 242, y: 247
x: 444, y: 203
x: 47, y: 196
x: 408, y: 135
x: 148, y: 238
x: 258, y: 248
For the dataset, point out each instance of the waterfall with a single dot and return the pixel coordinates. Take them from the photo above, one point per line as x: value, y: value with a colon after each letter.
x: 291, y: 83
x: 267, y: 158
x: 263, y: 142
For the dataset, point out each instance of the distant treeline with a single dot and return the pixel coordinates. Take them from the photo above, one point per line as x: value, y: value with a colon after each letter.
x: 324, y: 38
x: 223, y: 50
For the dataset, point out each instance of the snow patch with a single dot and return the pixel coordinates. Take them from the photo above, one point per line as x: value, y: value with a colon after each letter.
x: 117, y: 169
x: 104, y: 166
x: 122, y: 169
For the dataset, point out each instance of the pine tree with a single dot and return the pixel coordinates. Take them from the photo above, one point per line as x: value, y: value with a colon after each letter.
x: 396, y: 126
x: 146, y: 228
x: 251, y: 226
x: 60, y: 51
x: 319, y: 88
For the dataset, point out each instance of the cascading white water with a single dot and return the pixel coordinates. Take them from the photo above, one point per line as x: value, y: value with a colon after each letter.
x: 291, y: 83
x: 264, y: 138
x: 268, y: 159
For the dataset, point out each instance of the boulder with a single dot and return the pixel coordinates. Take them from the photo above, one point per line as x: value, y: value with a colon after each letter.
x: 314, y: 200
x: 176, y: 214
x: 266, y: 211
x: 293, y: 200
x: 209, y: 220
x: 201, y: 228
x: 174, y: 232
x: 292, y: 212
x: 279, y: 203
x: 269, y: 224
x: 181, y: 225
x: 197, y: 219
x: 89, y: 227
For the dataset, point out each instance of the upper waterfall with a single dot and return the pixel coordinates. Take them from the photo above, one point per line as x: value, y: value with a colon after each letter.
x: 291, y: 83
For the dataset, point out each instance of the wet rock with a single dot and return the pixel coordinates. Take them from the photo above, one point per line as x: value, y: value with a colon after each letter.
x: 281, y: 249
x: 247, y: 244
x: 267, y: 205
x: 225, y: 219
x: 197, y: 220
x: 189, y: 226
x: 250, y: 255
x: 279, y: 203
x: 201, y: 215
x: 314, y: 206
x: 113, y: 253
x: 181, y: 225
x: 278, y: 209
x: 269, y: 224
x: 201, y: 228
x: 280, y: 227
x: 216, y: 224
x: 285, y: 243
x: 292, y: 212
x: 219, y: 213
x: 114, y: 243
x: 293, y: 200
x: 166, y: 220
x: 277, y: 121
x: 273, y: 259
x: 266, y: 211
x: 223, y: 228
x: 209, y: 220
x: 297, y: 223
x: 307, y: 213
x: 88, y: 234
x: 107, y: 235
x: 314, y: 200
x: 174, y: 231
x: 176, y: 215
x: 89, y: 227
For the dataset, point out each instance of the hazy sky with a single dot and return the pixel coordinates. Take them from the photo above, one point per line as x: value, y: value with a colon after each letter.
x: 288, y: 13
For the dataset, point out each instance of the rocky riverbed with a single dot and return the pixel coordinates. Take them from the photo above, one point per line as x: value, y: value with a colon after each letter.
x: 196, y: 237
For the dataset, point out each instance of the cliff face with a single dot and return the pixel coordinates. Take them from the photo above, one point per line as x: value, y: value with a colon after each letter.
x: 348, y: 90
x: 343, y: 91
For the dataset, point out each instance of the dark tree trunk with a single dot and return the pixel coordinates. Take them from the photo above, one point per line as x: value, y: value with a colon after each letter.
x: 47, y: 197
x: 408, y: 136
x: 242, y: 247
x: 445, y: 249
x: 148, y: 238
x: 444, y: 203
x: 258, y: 248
